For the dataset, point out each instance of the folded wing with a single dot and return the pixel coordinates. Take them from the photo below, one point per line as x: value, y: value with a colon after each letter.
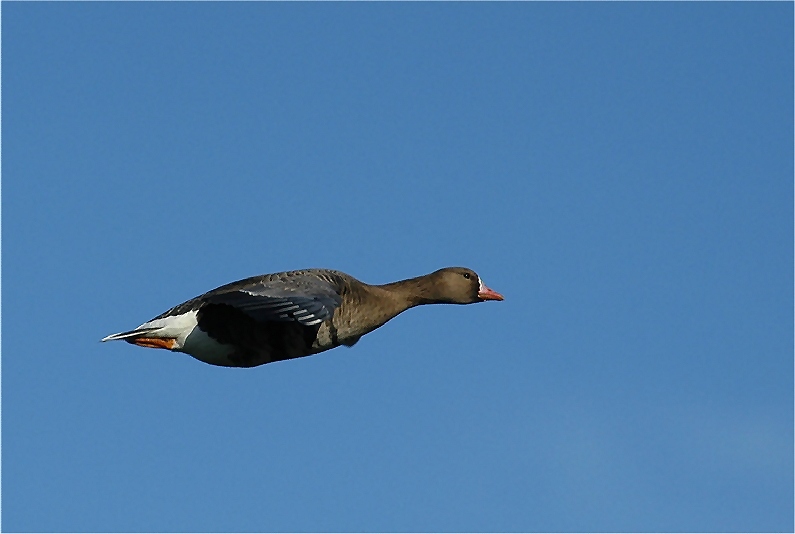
x: 304, y: 298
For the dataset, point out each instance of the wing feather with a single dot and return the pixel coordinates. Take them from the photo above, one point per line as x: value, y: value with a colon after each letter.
x: 307, y: 299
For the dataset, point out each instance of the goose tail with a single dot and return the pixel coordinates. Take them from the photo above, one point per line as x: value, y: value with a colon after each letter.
x: 130, y: 335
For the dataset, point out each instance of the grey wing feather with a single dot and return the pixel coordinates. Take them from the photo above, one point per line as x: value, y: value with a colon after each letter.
x: 306, y: 299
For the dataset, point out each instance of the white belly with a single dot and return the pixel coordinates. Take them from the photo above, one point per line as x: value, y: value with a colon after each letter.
x: 190, y: 339
x: 204, y: 348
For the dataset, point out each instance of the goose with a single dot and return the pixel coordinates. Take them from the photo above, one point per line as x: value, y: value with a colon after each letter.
x: 280, y: 316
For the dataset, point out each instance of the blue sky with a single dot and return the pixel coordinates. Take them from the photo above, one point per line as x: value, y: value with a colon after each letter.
x: 621, y: 172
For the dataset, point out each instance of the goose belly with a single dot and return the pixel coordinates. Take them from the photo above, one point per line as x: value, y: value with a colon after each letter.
x: 331, y: 335
x: 204, y: 348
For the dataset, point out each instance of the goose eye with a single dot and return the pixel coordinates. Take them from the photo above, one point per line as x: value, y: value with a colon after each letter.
x: 466, y: 275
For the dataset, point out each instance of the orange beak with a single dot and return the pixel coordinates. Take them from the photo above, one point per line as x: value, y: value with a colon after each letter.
x: 484, y: 293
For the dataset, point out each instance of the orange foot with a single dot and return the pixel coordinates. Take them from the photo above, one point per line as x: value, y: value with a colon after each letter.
x: 154, y: 343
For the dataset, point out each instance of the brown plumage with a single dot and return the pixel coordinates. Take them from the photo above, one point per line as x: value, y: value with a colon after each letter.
x: 297, y: 313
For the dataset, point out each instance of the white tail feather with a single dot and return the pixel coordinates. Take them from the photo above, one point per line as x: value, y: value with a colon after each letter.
x: 174, y: 327
x: 131, y: 333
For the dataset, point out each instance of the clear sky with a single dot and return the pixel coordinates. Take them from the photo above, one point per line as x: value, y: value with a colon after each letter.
x: 621, y: 172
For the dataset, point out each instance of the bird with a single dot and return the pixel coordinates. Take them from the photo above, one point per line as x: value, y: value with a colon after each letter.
x: 286, y: 315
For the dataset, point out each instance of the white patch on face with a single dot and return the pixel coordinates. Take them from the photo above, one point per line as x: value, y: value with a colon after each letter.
x: 482, y: 285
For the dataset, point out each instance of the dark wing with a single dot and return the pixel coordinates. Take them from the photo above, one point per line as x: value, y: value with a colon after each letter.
x: 301, y: 297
